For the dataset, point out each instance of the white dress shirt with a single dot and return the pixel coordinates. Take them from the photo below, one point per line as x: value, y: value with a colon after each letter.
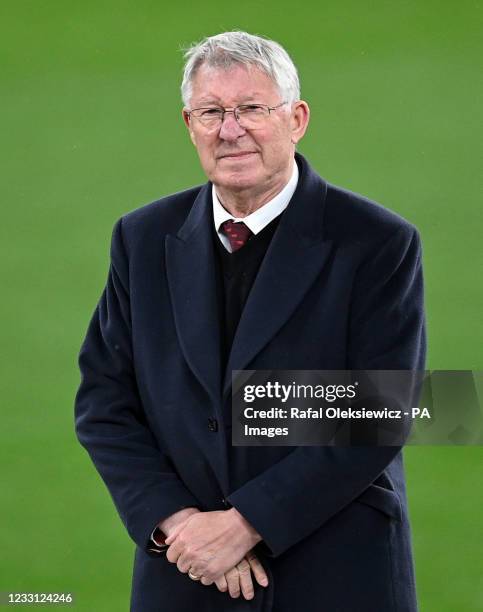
x: 259, y: 219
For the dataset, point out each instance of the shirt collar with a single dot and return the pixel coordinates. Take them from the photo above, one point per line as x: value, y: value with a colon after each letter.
x: 260, y: 218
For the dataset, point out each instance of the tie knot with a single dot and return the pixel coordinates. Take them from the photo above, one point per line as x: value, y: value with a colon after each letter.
x: 236, y: 232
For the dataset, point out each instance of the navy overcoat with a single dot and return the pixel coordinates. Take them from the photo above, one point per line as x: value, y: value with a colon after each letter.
x: 340, y: 288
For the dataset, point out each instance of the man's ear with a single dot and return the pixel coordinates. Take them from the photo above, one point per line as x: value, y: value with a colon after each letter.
x: 299, y: 120
x: 187, y: 122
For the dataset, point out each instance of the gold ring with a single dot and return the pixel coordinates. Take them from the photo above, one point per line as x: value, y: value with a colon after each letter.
x: 193, y: 576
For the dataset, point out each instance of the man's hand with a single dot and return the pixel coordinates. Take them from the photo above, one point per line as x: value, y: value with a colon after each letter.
x: 239, y: 579
x: 172, y: 523
x: 211, y: 543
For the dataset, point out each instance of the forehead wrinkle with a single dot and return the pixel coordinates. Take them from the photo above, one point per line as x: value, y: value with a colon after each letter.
x: 248, y: 84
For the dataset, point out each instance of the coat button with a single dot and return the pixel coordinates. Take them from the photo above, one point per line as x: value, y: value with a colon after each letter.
x: 226, y: 503
x: 212, y: 424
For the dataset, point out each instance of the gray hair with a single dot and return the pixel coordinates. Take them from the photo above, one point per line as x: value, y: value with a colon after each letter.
x: 229, y: 48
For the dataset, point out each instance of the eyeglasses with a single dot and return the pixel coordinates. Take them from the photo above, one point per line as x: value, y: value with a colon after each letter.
x: 248, y: 116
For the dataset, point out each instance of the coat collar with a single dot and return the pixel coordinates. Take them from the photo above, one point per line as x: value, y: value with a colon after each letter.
x: 293, y: 260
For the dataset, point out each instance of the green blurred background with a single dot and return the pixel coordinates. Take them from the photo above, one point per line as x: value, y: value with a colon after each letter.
x: 91, y: 128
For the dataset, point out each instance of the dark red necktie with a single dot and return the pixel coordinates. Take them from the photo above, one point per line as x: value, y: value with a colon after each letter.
x: 237, y: 233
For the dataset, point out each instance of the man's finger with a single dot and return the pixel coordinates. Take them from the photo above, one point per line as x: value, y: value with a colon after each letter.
x: 245, y: 579
x: 183, y: 565
x: 173, y: 553
x: 222, y: 584
x: 172, y: 536
x: 233, y: 581
x: 257, y: 569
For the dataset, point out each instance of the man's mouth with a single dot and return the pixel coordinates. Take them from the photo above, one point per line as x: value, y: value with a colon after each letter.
x: 238, y: 155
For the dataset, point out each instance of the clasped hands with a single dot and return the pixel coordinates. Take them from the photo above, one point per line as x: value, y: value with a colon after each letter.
x: 217, y: 546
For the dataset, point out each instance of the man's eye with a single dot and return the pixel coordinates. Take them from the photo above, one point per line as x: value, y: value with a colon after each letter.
x: 211, y: 112
x: 250, y: 109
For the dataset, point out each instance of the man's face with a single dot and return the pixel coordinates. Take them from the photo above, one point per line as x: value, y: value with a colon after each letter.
x: 238, y: 159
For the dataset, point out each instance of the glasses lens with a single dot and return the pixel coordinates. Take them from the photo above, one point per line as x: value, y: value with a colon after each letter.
x: 208, y: 116
x: 252, y: 115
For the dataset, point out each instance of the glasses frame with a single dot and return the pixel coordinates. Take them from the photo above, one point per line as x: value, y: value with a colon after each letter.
x: 235, y: 110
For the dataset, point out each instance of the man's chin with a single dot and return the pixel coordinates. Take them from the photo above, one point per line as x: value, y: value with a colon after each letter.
x: 236, y: 181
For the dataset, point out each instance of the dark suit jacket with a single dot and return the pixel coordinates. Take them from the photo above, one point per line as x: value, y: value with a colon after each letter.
x: 340, y: 288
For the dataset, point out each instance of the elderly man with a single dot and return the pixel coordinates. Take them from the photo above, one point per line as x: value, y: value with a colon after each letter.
x: 266, y: 266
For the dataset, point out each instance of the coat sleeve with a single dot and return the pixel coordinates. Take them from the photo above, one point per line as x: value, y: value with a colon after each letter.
x: 109, y: 418
x: 300, y: 493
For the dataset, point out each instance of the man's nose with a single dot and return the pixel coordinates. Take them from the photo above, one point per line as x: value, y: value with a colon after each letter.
x: 230, y: 128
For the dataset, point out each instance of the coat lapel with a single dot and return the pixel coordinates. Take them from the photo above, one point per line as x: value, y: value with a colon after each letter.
x: 191, y: 272
x: 293, y: 260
